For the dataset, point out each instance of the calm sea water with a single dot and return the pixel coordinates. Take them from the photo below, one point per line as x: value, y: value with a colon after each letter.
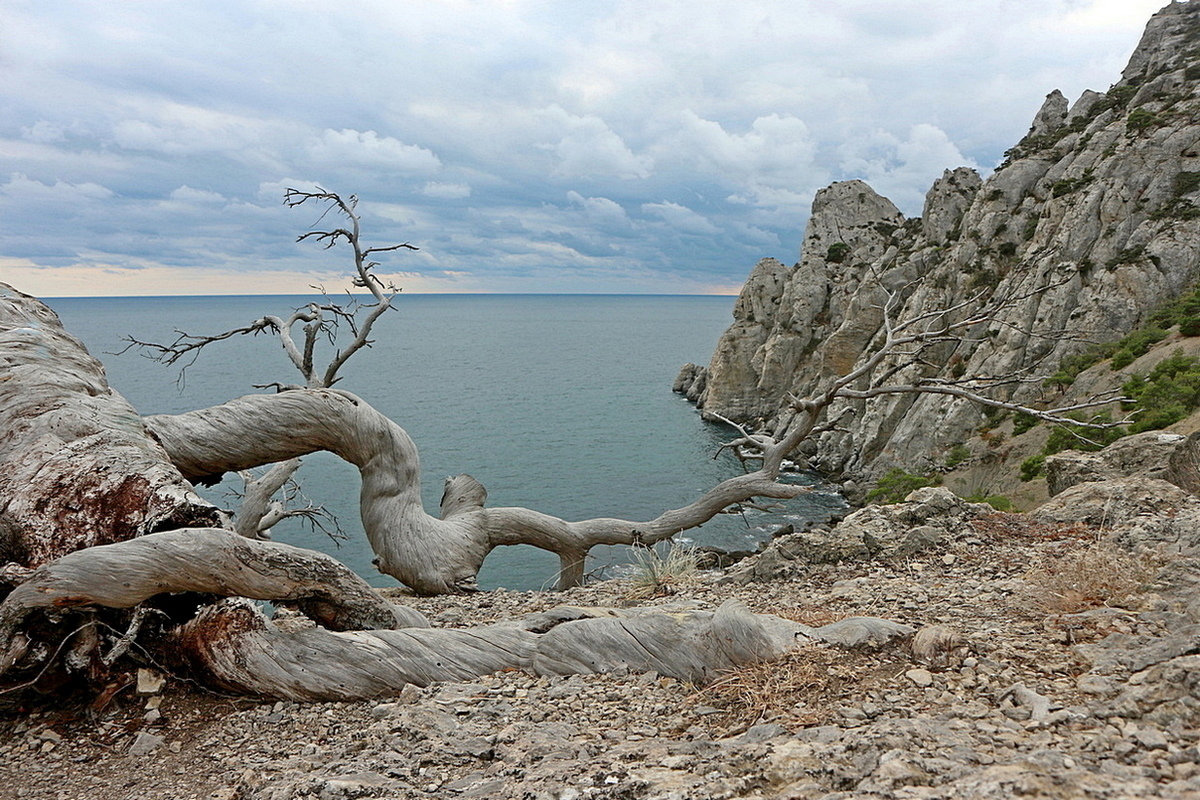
x: 559, y: 403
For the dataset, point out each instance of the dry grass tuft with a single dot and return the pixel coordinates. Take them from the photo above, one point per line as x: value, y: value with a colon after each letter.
x: 806, y: 687
x: 1100, y: 574
x: 1003, y: 526
x: 655, y: 575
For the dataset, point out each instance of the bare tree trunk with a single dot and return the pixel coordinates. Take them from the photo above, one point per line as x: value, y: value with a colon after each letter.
x: 76, y: 466
x: 428, y: 554
x: 59, y: 422
x: 242, y: 652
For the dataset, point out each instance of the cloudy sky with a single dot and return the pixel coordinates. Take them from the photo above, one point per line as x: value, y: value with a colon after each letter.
x: 523, y: 145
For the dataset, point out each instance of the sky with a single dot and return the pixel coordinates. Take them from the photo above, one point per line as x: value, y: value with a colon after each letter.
x: 523, y: 145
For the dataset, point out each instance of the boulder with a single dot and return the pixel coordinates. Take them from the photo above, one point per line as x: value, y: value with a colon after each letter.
x: 1148, y: 455
x: 1114, y: 503
x: 926, y: 517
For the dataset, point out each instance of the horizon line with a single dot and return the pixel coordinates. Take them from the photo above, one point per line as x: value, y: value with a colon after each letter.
x: 398, y: 294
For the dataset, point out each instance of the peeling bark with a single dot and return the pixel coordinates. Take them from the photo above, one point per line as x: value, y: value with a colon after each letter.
x: 207, y: 561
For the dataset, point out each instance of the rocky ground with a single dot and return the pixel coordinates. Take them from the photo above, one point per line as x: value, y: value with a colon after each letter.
x: 1029, y: 696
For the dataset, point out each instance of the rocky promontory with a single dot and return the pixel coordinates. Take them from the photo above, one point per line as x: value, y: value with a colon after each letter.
x: 1089, y: 226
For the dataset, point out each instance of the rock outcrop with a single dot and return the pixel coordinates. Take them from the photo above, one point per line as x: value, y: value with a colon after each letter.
x: 1092, y: 222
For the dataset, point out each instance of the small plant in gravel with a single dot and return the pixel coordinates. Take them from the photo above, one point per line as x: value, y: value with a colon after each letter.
x: 806, y: 687
x: 658, y: 575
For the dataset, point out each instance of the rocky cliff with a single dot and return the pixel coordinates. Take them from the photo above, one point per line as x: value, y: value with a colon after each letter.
x: 1091, y: 223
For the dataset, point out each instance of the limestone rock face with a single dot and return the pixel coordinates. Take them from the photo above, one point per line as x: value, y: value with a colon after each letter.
x: 1052, y: 114
x: 1091, y: 223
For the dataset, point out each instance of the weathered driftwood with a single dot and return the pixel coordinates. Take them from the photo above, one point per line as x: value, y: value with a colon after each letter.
x: 206, y: 561
x: 76, y: 468
x: 80, y: 434
x: 369, y: 647
x: 241, y: 651
x: 429, y: 554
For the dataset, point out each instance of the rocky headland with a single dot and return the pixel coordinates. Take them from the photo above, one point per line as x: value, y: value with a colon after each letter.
x: 1089, y: 229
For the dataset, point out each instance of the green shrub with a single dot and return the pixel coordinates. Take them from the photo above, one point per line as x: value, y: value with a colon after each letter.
x: 1023, y: 421
x: 1177, y: 208
x: 1127, y: 255
x: 996, y: 501
x: 837, y: 253
x: 1118, y: 96
x: 1190, y: 326
x: 1158, y: 418
x: 1136, y: 344
x: 1064, y: 186
x: 1071, y: 366
x: 1032, y: 467
x: 993, y: 416
x: 1082, y: 437
x: 1185, y: 183
x: 1140, y: 119
x: 1123, y: 358
x: 984, y: 279
x: 896, y: 484
x: 1168, y: 394
x: 957, y: 455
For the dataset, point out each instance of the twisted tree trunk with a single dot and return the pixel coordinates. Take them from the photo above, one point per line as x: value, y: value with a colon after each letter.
x: 83, y: 488
x: 429, y: 554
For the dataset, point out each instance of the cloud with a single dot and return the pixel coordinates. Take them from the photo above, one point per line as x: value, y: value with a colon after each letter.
x: 681, y: 218
x: 902, y: 169
x: 96, y: 278
x: 594, y: 145
x: 43, y: 132
x: 369, y: 149
x: 178, y: 129
x: 600, y: 210
x: 27, y: 191
x: 186, y: 194
x: 775, y: 150
x: 588, y: 148
x: 446, y: 191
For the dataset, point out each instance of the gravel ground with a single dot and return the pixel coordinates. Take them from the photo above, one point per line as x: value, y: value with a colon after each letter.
x: 1035, y: 702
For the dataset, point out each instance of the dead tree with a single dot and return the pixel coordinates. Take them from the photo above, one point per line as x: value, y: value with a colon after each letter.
x: 114, y: 549
x: 259, y: 511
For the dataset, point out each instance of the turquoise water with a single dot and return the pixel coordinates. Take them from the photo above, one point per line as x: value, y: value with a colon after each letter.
x: 559, y: 403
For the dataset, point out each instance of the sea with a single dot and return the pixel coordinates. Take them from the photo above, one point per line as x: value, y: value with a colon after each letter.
x: 561, y: 403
